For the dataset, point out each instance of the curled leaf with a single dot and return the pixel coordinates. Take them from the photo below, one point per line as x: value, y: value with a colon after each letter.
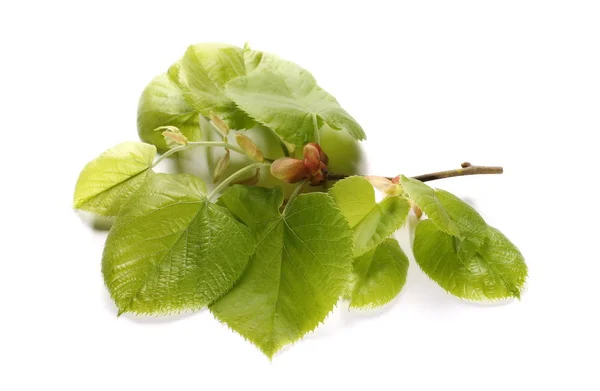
x: 289, y: 170
x: 250, y: 148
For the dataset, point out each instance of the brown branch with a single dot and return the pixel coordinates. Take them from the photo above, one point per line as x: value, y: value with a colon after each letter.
x: 466, y: 169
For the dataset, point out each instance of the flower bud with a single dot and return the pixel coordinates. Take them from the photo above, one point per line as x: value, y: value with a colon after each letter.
x: 320, y: 176
x: 312, y: 158
x: 289, y: 170
x: 322, y: 155
x: 250, y: 148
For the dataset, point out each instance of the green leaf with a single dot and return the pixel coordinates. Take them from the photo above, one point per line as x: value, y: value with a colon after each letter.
x: 378, y: 275
x: 162, y: 104
x: 371, y: 222
x: 426, y: 198
x: 291, y: 104
x: 298, y: 272
x: 239, y: 85
x: 202, y: 74
x: 450, y: 214
x: 171, y: 250
x: 496, y: 270
x: 107, y: 181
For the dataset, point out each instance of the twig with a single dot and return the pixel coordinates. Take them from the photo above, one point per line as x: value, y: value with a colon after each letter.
x: 467, y: 169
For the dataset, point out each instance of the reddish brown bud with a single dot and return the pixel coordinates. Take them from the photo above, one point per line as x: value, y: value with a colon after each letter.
x: 289, y: 170
x: 312, y: 158
x: 396, y: 180
x: 322, y: 155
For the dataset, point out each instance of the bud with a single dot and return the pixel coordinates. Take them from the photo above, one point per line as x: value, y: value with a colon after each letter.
x: 289, y: 170
x: 221, y: 166
x: 396, y: 179
x: 312, y: 158
x: 320, y: 176
x: 322, y: 155
x: 250, y: 148
x: 219, y: 124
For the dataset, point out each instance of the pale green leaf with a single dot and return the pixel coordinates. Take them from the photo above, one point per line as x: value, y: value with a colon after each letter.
x: 210, y: 79
x: 162, y: 104
x: 450, y: 214
x: 378, y: 275
x: 171, y: 250
x: 285, y: 97
x: 371, y: 222
x: 426, y: 198
x: 496, y: 270
x: 298, y: 272
x: 202, y: 74
x: 106, y: 182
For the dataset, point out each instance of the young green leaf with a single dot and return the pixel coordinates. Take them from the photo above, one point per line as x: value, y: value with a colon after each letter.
x: 298, y: 272
x: 450, y: 214
x: 290, y: 104
x: 378, y: 275
x: 106, y: 182
x: 202, y: 74
x: 162, y: 104
x: 371, y: 222
x: 426, y: 198
x: 496, y: 270
x: 171, y: 250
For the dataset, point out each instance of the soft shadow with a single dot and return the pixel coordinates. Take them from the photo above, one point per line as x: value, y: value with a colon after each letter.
x: 97, y: 223
x: 109, y: 305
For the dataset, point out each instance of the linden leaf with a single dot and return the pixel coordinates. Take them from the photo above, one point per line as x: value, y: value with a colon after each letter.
x: 202, y: 74
x: 371, y: 222
x: 171, y: 250
x: 162, y: 104
x: 496, y: 270
x: 298, y: 272
x: 224, y: 81
x: 450, y: 214
x: 106, y: 182
x: 290, y: 103
x: 378, y: 275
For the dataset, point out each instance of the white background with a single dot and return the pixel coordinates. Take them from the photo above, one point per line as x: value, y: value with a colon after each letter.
x: 512, y: 83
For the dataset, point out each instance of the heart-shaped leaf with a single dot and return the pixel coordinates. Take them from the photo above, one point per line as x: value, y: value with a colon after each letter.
x: 171, y: 250
x: 298, y: 272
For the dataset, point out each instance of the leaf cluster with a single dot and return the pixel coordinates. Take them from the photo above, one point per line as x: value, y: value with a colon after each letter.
x: 271, y: 268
